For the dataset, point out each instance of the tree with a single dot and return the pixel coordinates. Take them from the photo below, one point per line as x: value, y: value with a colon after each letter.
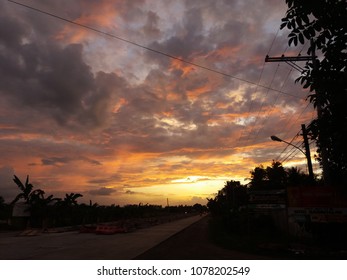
x: 71, y: 199
x: 68, y: 210
x: 258, y: 177
x: 26, y: 190
x: 295, y: 178
x: 42, y: 209
x: 276, y: 176
x: 324, y: 23
x: 271, y: 177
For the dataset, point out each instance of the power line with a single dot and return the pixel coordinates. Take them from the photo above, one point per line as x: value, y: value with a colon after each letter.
x: 285, y: 148
x: 147, y: 48
x: 261, y: 107
x: 290, y: 124
x: 273, y: 41
x: 266, y: 116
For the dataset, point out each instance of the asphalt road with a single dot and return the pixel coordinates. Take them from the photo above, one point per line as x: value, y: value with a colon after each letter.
x: 192, y: 243
x: 72, y: 245
x: 184, y: 239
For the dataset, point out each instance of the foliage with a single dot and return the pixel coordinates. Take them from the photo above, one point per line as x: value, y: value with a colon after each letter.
x: 49, y: 211
x: 233, y: 197
x: 229, y: 199
x: 324, y: 23
x: 277, y: 177
x: 26, y: 190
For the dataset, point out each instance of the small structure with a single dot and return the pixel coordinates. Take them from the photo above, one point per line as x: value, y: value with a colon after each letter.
x: 20, y: 215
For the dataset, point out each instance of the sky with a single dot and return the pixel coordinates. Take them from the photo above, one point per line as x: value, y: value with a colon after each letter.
x: 120, y: 122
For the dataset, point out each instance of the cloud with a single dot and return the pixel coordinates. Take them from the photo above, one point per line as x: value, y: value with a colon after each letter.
x: 103, y: 191
x: 130, y: 192
x: 64, y: 160
x: 78, y: 108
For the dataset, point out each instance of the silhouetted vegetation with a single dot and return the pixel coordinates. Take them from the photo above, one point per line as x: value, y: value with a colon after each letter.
x: 323, y: 22
x: 239, y: 222
x: 48, y: 211
x: 277, y: 177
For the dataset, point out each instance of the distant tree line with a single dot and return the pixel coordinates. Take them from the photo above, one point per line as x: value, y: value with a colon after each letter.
x: 49, y: 211
x: 230, y: 205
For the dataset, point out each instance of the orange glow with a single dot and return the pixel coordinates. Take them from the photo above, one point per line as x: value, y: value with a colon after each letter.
x: 122, y: 102
x: 226, y: 51
x: 103, y: 14
x: 180, y: 65
x: 119, y: 117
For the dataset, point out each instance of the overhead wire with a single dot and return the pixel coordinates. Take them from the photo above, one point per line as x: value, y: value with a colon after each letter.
x: 266, y: 117
x: 255, y: 135
x: 287, y: 146
x: 257, y: 84
x: 147, y: 48
x: 253, y: 127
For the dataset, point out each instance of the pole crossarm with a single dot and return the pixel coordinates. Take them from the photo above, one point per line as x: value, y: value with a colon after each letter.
x: 288, y: 58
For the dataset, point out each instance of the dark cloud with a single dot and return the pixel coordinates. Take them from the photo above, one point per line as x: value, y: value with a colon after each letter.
x: 104, y: 181
x: 103, y: 191
x: 64, y: 160
x: 54, y: 161
x: 130, y: 192
x: 74, y: 97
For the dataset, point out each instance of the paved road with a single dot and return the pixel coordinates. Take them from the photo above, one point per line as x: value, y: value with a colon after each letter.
x: 87, y: 246
x: 193, y: 243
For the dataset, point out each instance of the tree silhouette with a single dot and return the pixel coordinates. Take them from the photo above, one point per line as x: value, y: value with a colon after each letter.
x: 26, y: 190
x: 295, y: 177
x: 258, y: 178
x: 324, y: 23
x: 71, y: 199
x: 276, y: 176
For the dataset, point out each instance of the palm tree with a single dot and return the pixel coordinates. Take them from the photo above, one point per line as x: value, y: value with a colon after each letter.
x: 26, y: 189
x: 71, y: 199
x: 68, y: 210
x: 42, y: 208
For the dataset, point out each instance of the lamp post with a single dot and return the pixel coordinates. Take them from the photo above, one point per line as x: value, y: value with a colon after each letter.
x: 307, y: 154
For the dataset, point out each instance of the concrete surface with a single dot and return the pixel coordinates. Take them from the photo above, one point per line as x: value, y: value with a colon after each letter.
x: 87, y: 246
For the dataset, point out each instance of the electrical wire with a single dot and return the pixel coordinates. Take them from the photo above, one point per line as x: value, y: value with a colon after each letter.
x: 147, y: 48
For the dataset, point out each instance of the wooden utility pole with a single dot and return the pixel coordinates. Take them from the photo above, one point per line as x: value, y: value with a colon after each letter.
x: 307, y: 152
x: 291, y: 61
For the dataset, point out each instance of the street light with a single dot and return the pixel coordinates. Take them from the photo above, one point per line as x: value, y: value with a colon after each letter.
x: 275, y: 138
x: 307, y: 154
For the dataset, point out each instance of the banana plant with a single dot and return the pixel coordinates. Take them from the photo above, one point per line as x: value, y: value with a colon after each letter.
x: 26, y: 190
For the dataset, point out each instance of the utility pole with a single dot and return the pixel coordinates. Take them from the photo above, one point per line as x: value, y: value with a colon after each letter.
x: 291, y: 61
x: 307, y: 152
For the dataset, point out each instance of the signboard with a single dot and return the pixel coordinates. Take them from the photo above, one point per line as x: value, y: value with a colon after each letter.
x: 317, y: 204
x: 318, y: 214
x: 267, y: 199
x: 317, y: 196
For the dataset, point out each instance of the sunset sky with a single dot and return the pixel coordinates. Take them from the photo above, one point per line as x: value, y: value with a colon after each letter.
x: 88, y: 113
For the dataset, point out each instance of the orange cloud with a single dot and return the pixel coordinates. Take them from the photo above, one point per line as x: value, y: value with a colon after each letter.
x: 182, y: 66
x: 122, y: 102
x: 95, y: 14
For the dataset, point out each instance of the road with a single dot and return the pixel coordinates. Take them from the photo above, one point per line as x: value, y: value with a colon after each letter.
x: 72, y: 245
x: 184, y: 239
x: 192, y: 243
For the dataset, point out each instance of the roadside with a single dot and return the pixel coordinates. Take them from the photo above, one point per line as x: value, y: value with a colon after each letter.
x: 194, y: 243
x: 72, y: 245
x: 206, y: 240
